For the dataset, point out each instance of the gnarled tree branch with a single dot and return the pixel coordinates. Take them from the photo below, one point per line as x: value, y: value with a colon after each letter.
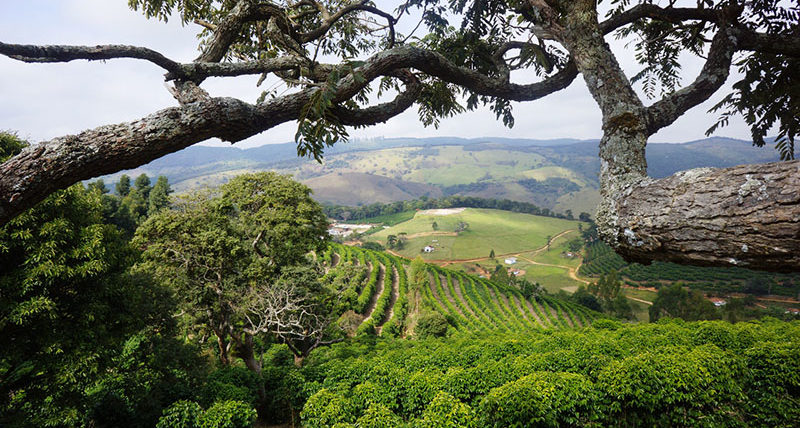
x: 747, y: 216
x: 66, y: 53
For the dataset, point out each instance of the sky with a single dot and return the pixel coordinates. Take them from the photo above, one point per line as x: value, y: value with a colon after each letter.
x: 43, y: 101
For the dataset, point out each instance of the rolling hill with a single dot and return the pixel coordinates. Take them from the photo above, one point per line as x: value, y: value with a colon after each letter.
x: 502, y: 231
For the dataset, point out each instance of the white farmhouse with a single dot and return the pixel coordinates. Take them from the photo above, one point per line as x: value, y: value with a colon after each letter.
x: 428, y: 249
x: 511, y: 260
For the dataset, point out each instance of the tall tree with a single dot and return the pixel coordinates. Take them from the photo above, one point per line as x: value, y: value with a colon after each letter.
x: 67, y: 307
x: 159, y: 195
x: 746, y: 215
x: 677, y: 302
x: 237, y: 261
x: 123, y: 185
x: 142, y: 185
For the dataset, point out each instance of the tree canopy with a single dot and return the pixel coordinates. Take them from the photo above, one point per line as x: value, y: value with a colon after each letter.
x: 745, y: 216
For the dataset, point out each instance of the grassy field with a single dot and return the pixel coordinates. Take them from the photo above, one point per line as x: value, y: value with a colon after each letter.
x: 546, y: 172
x: 502, y: 231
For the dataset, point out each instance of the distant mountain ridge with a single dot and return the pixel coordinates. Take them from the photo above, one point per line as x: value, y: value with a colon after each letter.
x: 387, y: 169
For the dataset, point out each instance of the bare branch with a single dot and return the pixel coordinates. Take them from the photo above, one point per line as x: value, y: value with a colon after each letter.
x: 226, y: 32
x: 65, y: 53
x: 777, y: 44
x: 329, y: 20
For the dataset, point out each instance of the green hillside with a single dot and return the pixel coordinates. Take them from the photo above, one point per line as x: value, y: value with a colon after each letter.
x: 502, y: 231
x: 557, y: 175
x: 384, y: 298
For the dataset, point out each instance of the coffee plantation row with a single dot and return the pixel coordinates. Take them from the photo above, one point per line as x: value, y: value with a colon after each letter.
x: 378, y: 292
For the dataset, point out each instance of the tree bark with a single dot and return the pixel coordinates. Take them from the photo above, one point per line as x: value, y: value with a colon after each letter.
x: 747, y: 216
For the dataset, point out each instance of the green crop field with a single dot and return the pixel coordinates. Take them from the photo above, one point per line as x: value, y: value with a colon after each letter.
x: 378, y: 293
x: 504, y: 232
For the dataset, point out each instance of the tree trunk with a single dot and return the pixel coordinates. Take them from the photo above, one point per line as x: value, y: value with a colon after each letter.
x: 247, y: 354
x: 745, y: 216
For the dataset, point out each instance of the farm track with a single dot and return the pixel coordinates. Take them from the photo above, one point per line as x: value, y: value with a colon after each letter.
x: 373, y: 300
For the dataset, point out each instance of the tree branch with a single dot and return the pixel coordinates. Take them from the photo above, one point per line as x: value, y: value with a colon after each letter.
x: 385, y: 111
x: 226, y: 32
x: 713, y: 75
x: 777, y: 44
x: 65, y: 53
x: 670, y: 14
x: 329, y: 20
x: 746, y: 216
x: 41, y: 169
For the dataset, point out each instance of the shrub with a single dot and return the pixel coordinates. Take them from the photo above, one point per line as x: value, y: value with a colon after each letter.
x: 445, y: 411
x: 378, y: 416
x: 181, y: 414
x: 672, y: 386
x: 431, y: 324
x: 541, y: 399
x: 327, y: 408
x: 228, y: 414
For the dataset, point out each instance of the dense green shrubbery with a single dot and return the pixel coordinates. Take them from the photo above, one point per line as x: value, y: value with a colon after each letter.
x: 431, y: 324
x: 672, y: 373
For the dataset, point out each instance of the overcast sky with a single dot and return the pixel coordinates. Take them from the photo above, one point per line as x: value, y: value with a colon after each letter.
x: 42, y: 101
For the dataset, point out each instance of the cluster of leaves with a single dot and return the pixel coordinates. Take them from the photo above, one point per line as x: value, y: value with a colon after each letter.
x: 131, y: 205
x: 87, y: 340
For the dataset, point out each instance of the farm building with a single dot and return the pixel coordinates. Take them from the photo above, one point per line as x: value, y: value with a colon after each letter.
x: 511, y: 260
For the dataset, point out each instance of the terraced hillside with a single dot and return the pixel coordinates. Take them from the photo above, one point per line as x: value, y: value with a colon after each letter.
x: 385, y: 300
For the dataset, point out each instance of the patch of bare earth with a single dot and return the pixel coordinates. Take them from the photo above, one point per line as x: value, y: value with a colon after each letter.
x: 496, y: 302
x: 543, y: 308
x: 460, y: 295
x: 373, y: 300
x: 442, y: 211
x: 519, y: 307
x: 533, y: 313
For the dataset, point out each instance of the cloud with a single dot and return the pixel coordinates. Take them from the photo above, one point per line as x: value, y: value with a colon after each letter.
x: 43, y: 101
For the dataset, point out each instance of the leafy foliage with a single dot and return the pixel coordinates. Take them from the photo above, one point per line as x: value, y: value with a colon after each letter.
x: 666, y: 374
